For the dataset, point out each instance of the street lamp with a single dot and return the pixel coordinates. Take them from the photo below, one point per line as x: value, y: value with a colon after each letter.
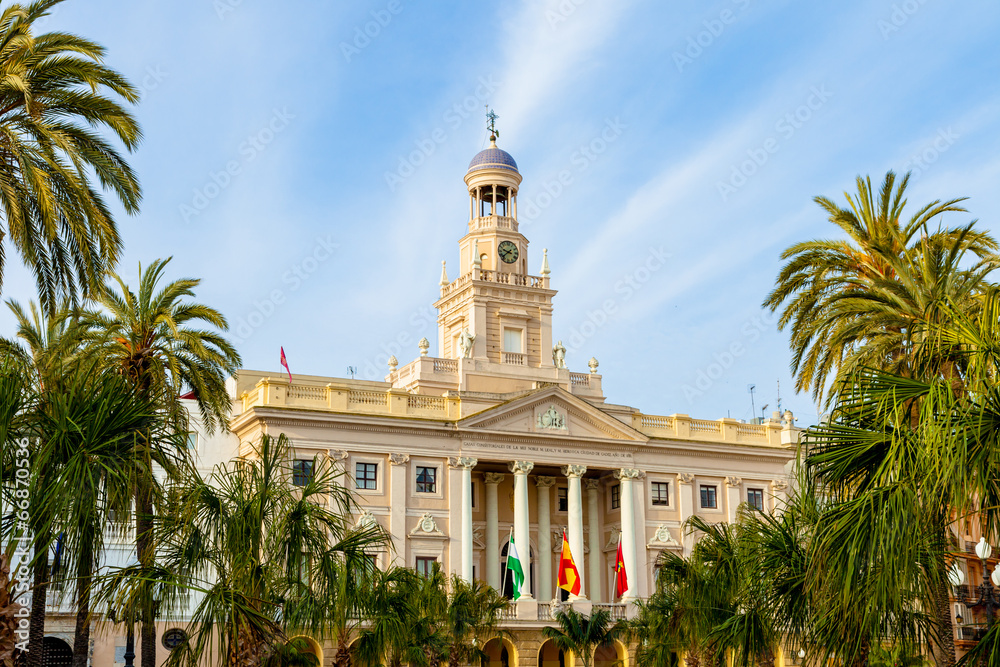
x: 988, y: 595
x: 129, y: 637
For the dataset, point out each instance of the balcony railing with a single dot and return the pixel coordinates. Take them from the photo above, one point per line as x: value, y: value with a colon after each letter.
x: 509, y: 613
x: 514, y: 358
x: 544, y: 611
x: 579, y: 379
x: 617, y: 611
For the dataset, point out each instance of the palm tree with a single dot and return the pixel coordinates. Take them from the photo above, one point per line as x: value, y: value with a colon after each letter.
x: 249, y: 543
x: 46, y: 344
x: 153, y: 337
x: 472, y: 618
x: 56, y: 96
x: 87, y: 428
x: 584, y: 634
x: 866, y: 300
x: 403, y: 614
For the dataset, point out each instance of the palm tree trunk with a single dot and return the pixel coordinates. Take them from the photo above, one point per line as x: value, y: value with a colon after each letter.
x: 692, y: 659
x: 343, y: 656
x: 81, y: 640
x: 944, y: 648
x: 144, y: 550
x: 39, y: 593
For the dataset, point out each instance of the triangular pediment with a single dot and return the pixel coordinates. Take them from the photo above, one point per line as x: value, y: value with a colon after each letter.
x: 552, y: 412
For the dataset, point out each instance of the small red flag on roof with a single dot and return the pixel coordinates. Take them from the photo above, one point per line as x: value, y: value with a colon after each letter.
x: 284, y: 362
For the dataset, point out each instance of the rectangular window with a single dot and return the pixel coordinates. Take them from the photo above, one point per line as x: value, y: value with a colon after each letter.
x: 755, y: 498
x: 192, y: 441
x: 661, y: 493
x: 426, y: 479
x: 562, y: 499
x: 616, y: 496
x: 372, y: 562
x: 512, y: 340
x: 425, y: 565
x: 472, y: 493
x: 302, y: 472
x: 708, y: 497
x: 366, y: 475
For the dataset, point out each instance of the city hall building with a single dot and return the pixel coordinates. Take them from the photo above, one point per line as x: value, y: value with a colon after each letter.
x: 496, y: 437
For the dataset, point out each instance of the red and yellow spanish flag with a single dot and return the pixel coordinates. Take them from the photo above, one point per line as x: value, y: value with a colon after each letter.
x: 569, y: 576
x: 621, y: 578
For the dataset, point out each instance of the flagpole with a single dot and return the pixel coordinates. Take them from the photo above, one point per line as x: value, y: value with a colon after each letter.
x: 617, y: 551
x: 503, y: 572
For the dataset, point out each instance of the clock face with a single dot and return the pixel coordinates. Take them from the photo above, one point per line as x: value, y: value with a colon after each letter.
x: 507, y: 251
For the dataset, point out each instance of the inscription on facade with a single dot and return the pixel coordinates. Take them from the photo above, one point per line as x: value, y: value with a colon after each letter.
x: 516, y: 448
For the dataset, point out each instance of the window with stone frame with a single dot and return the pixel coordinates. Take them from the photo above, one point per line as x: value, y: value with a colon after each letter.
x: 366, y: 476
x: 562, y: 499
x: 755, y: 499
x: 708, y: 497
x: 661, y: 493
x: 426, y: 479
x: 616, y: 497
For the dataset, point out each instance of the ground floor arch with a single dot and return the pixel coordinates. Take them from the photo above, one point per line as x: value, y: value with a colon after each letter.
x: 550, y: 655
x: 56, y: 652
x: 614, y: 655
x: 500, y: 652
x: 314, y: 646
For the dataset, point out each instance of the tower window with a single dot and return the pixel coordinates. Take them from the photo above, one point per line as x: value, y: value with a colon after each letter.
x: 512, y: 340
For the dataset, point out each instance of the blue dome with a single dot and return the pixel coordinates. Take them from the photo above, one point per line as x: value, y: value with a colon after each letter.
x: 493, y: 158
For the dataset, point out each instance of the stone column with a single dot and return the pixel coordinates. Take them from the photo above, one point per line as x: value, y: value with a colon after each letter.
x: 626, y: 475
x: 594, y: 539
x: 522, y: 539
x: 685, y: 501
x: 545, y: 588
x: 575, y: 520
x: 465, y: 465
x: 492, y: 480
x: 397, y: 503
x: 732, y: 497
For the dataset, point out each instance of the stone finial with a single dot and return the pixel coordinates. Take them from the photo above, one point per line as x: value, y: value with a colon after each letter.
x: 789, y: 418
x: 424, y: 346
x: 444, y: 275
x: 545, y: 263
x: 593, y: 365
x: 393, y: 363
x: 476, y: 259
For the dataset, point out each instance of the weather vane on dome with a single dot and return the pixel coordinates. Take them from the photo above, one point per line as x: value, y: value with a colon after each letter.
x: 491, y: 123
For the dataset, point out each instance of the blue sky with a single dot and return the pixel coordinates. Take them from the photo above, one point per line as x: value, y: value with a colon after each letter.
x: 305, y: 160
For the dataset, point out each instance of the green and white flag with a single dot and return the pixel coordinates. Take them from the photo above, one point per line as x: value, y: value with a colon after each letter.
x: 514, y: 565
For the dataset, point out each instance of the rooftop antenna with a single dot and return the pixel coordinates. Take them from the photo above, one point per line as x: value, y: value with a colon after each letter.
x: 751, y: 388
x: 491, y: 123
x: 779, y: 395
x: 352, y: 370
x: 763, y: 410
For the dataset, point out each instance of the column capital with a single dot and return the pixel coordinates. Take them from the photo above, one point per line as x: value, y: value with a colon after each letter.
x: 521, y: 467
x: 591, y: 483
x: 685, y: 478
x: 627, y: 474
x: 399, y: 459
x: 733, y: 481
x: 462, y: 462
x: 544, y: 482
x: 493, y: 477
x: 574, y: 471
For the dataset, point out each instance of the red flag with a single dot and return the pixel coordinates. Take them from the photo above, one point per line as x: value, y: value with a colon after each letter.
x: 284, y: 362
x: 569, y: 576
x: 621, y: 578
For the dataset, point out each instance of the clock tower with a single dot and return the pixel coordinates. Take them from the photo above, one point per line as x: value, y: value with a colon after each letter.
x: 495, y: 311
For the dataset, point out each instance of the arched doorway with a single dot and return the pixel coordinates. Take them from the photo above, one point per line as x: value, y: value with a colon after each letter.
x: 304, y: 644
x: 56, y: 653
x: 550, y: 655
x: 615, y: 655
x: 499, y: 653
x: 508, y: 578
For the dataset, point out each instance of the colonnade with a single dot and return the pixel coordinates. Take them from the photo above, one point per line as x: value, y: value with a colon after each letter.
x: 589, y: 567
